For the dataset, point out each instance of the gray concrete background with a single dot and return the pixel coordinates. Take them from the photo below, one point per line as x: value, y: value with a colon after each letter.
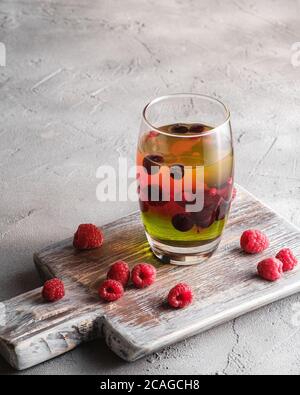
x: 78, y: 74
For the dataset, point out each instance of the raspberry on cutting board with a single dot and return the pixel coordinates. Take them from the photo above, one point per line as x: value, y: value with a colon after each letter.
x: 143, y: 275
x: 270, y: 269
x: 119, y: 271
x: 53, y: 290
x: 254, y: 241
x: 180, y: 296
x: 111, y: 290
x: 288, y: 259
x: 87, y: 237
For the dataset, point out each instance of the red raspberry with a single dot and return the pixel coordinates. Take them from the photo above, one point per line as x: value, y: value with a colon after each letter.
x: 213, y: 192
x: 119, y: 271
x: 143, y: 275
x: 88, y: 236
x: 254, y: 241
x: 288, y: 259
x: 152, y: 134
x: 270, y: 269
x: 53, y: 290
x: 180, y: 296
x: 111, y: 290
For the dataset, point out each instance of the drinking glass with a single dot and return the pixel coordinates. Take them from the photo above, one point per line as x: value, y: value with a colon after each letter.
x: 185, y: 173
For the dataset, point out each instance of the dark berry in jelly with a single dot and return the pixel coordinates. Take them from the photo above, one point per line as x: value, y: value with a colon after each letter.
x: 183, y: 222
x: 144, y: 206
x: 179, y: 129
x: 177, y: 172
x: 211, y: 201
x: 197, y: 128
x: 204, y: 218
x: 152, y: 163
x: 223, y: 210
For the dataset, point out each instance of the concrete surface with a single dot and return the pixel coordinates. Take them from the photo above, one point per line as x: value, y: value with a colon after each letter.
x: 78, y: 74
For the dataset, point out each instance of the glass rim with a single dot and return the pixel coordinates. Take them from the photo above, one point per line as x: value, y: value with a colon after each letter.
x: 191, y: 95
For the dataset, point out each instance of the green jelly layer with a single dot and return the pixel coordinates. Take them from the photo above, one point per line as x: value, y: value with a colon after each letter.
x: 162, y: 229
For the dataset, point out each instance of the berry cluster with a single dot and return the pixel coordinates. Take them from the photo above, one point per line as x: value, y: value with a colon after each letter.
x: 88, y: 236
x: 142, y: 275
x: 216, y: 202
x: 271, y: 269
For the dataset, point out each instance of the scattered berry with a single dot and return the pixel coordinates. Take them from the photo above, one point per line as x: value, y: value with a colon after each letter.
x: 270, y: 269
x: 88, y: 236
x: 119, y: 271
x: 180, y: 296
x: 111, y: 290
x: 254, y: 241
x: 183, y: 222
x: 53, y: 290
x: 288, y: 259
x: 143, y: 275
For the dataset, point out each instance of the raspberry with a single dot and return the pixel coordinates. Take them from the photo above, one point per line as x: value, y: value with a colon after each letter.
x: 270, y: 269
x: 152, y: 134
x: 111, y: 290
x: 88, y: 236
x: 143, y: 275
x: 119, y: 271
x: 180, y: 296
x: 288, y: 259
x: 213, y: 192
x: 53, y: 290
x: 254, y: 241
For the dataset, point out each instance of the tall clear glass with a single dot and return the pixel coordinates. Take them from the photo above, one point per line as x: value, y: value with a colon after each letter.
x: 185, y: 162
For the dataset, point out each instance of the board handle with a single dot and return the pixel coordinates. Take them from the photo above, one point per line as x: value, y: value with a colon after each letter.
x: 33, y: 331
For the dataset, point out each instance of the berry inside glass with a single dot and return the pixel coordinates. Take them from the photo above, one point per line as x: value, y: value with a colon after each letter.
x: 185, y: 172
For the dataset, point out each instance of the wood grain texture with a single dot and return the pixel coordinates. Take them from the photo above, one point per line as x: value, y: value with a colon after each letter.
x: 225, y: 287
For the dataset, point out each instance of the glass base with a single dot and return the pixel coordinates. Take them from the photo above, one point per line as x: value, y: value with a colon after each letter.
x: 183, y: 256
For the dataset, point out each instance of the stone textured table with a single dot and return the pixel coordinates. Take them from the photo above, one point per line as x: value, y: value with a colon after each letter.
x: 77, y: 76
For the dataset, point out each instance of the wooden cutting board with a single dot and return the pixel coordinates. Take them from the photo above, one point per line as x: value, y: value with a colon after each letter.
x: 225, y: 287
